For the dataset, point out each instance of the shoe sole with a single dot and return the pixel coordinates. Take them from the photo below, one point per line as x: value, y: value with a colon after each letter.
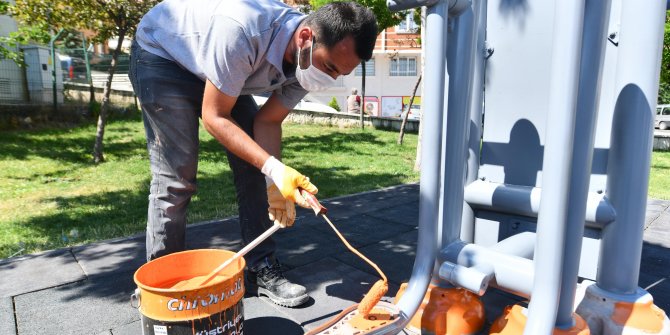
x: 286, y: 302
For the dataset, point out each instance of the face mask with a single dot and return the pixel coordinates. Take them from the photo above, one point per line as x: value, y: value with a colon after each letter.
x: 311, y: 78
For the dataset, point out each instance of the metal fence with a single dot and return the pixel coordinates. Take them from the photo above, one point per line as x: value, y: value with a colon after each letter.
x: 34, y: 83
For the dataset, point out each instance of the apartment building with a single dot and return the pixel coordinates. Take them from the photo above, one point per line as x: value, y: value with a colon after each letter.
x: 390, y: 76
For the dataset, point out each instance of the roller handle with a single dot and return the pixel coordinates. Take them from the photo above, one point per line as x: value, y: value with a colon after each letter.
x: 241, y: 253
x: 313, y: 202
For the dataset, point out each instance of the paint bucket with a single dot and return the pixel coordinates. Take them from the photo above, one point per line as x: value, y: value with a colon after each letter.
x: 214, y: 308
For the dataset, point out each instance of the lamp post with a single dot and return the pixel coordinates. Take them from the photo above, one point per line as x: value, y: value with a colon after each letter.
x: 362, y: 106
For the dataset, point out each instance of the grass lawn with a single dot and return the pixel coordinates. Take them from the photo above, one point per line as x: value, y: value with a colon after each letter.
x: 52, y: 196
x: 659, y: 179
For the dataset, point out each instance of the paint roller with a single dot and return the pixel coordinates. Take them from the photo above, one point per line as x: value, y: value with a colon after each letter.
x: 380, y: 288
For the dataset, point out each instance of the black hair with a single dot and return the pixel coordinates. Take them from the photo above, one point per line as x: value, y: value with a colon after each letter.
x: 337, y: 20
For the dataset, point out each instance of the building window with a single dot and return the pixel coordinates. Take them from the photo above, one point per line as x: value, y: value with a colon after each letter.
x: 403, y: 67
x: 407, y: 25
x: 339, y: 82
x: 369, y: 69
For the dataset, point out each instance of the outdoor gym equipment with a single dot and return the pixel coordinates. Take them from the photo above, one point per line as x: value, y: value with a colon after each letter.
x: 552, y: 185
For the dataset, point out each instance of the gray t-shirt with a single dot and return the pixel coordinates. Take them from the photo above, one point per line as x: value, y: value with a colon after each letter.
x: 238, y: 45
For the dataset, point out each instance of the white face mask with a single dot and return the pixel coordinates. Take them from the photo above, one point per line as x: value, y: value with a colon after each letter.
x: 311, y: 78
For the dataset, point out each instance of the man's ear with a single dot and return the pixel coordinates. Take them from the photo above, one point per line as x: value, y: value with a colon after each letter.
x: 304, y: 34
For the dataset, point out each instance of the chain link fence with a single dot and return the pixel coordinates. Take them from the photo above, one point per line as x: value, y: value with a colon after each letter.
x: 27, y: 93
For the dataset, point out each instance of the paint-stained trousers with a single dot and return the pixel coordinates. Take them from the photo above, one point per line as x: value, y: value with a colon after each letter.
x: 171, y: 100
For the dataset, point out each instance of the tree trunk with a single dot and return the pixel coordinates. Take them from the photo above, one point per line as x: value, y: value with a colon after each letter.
x: 409, y: 107
x: 417, y: 160
x: 362, y: 106
x: 98, y: 156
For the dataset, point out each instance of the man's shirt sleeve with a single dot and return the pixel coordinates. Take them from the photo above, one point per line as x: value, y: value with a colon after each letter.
x: 226, y: 55
x: 290, y: 95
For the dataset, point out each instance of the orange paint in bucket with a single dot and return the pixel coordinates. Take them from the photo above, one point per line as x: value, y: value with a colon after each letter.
x: 215, y: 306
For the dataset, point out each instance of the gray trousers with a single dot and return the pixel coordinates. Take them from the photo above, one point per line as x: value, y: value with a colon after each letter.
x: 171, y: 101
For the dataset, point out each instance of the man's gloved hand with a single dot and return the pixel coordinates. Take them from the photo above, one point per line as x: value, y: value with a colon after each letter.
x: 281, y: 211
x: 288, y: 181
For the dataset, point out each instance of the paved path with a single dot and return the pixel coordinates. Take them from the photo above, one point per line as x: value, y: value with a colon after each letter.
x: 86, y: 289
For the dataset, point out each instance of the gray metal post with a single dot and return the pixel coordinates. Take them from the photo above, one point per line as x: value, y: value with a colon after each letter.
x: 596, y: 18
x: 460, y: 66
x: 636, y: 86
x: 53, y: 69
x: 436, y: 32
x: 564, y: 76
x: 362, y: 106
x: 476, y: 107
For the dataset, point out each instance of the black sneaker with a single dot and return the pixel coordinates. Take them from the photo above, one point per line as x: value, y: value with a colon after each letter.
x: 268, y: 280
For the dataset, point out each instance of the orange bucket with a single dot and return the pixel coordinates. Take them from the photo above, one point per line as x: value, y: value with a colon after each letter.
x: 214, y: 308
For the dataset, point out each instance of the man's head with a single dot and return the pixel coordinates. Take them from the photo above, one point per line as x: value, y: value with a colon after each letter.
x: 354, y: 91
x: 336, y: 21
x: 334, y: 39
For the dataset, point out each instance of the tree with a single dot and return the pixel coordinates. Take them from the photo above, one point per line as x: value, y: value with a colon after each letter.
x: 106, y: 18
x: 409, y: 108
x: 333, y: 103
x: 385, y: 18
x: 664, y: 85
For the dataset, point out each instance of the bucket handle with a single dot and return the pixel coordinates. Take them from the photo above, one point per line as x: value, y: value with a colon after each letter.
x: 135, y: 299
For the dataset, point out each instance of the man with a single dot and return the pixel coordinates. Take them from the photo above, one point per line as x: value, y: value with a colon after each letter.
x: 354, y: 101
x: 203, y: 59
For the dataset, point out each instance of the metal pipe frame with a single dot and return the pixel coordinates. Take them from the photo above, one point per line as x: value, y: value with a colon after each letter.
x: 564, y: 79
x: 498, y: 265
x: 596, y: 20
x: 525, y: 200
x: 636, y: 87
x: 473, y: 279
x: 476, y: 110
x: 433, y: 101
x: 520, y: 245
x: 460, y: 67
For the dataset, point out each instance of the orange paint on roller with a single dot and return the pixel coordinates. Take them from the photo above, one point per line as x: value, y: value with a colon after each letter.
x: 373, y: 296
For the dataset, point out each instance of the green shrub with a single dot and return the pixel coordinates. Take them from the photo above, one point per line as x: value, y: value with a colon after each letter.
x: 333, y: 103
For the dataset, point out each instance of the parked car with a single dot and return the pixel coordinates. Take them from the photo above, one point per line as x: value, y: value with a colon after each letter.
x: 74, y: 69
x: 302, y: 105
x: 662, y: 120
x: 414, y: 112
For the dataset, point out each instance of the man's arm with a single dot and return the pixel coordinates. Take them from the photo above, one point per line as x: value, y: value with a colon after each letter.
x: 267, y: 126
x: 217, y: 119
x: 267, y: 133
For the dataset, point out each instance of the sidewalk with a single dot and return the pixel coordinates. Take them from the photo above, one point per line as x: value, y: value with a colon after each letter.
x: 86, y: 289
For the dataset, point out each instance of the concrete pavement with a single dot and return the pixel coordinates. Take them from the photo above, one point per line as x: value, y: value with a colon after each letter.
x: 86, y: 289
